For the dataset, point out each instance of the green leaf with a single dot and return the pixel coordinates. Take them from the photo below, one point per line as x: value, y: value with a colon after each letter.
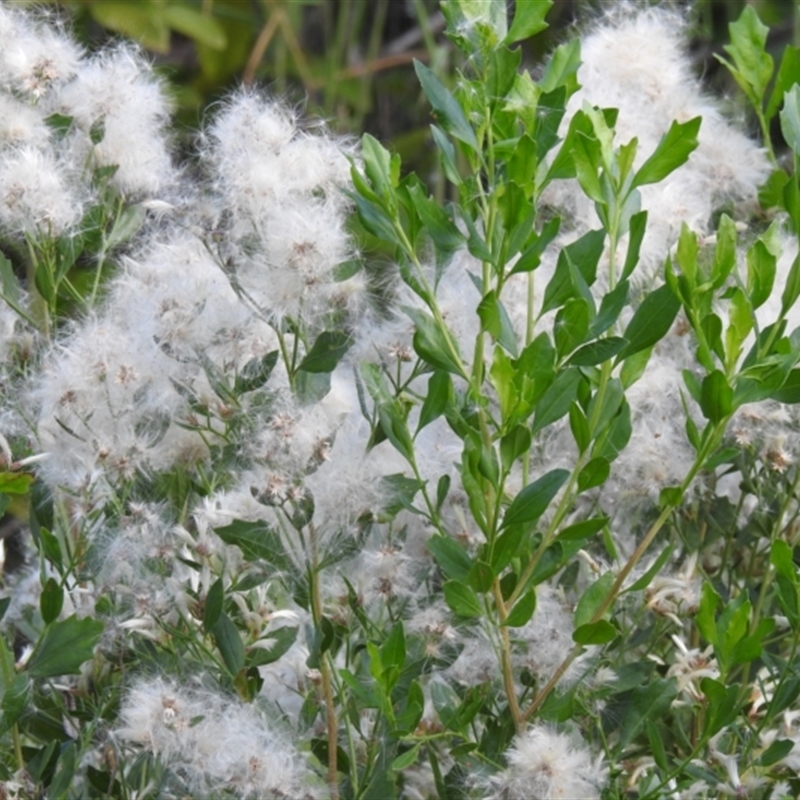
x: 722, y: 705
x: 648, y: 702
x: 440, y: 391
x: 532, y: 254
x: 461, y: 599
x: 600, y: 632
x: 326, y: 352
x: 528, y: 20
x: 407, y: 759
x: 16, y: 696
x: 791, y: 289
x: 595, y: 473
x: 562, y: 68
x: 582, y: 530
x: 748, y: 50
x: 445, y: 106
x: 212, y: 607
x: 51, y: 600
x: 393, y: 650
x: 140, y: 21
x: 396, y: 429
x: 716, y: 397
x: 706, y: 614
x: 480, y: 577
x: 448, y: 155
x: 790, y: 118
x: 452, y: 559
x: 523, y: 610
x: 579, y: 426
x: 788, y: 71
x: 610, y: 308
x: 255, y: 373
x: 226, y: 636
x: 592, y: 598
x: 202, y: 27
x: 64, y: 647
x: 15, y: 482
x: 257, y: 541
x: 514, y: 444
x: 761, y: 264
x: 598, y: 351
x: 672, y: 152
x: 126, y: 225
x: 651, y: 321
x: 571, y: 325
x: 534, y: 499
x: 585, y: 254
x: 432, y: 344
x: 280, y: 641
x: 777, y: 751
x: 495, y: 320
x: 399, y: 491
x: 437, y: 223
x: 637, y: 227
x: 556, y: 401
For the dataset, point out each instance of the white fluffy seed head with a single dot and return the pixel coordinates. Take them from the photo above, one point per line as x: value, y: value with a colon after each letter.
x: 116, y: 97
x: 548, y: 765
x: 38, y: 196
x: 35, y: 56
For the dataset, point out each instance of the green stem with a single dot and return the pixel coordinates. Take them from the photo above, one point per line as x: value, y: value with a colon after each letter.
x: 7, y: 667
x: 325, y: 669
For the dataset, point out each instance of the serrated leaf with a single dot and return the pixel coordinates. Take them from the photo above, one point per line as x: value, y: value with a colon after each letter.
x: 748, y: 50
x: 528, y: 20
x: 65, y: 646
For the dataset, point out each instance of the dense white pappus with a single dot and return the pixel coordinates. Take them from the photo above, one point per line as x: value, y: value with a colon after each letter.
x: 546, y: 765
x: 117, y: 89
x: 214, y: 742
x: 21, y: 123
x: 547, y: 639
x: 635, y: 60
x: 174, y: 292
x: 260, y: 157
x: 105, y: 408
x: 291, y: 271
x: 37, y: 194
x: 658, y: 453
x: 35, y: 55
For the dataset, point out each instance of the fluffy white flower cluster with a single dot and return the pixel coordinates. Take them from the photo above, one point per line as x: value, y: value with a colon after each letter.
x: 150, y: 383
x: 64, y: 115
x: 215, y: 744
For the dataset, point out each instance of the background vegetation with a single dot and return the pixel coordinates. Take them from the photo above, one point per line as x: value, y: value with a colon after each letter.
x: 350, y: 61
